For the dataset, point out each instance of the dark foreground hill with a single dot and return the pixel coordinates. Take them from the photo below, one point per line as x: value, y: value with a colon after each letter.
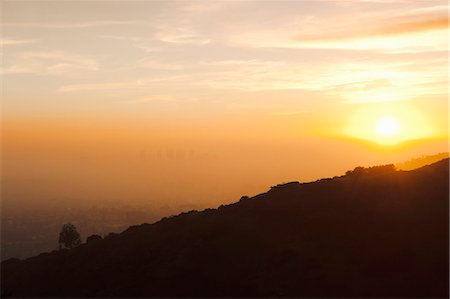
x: 371, y: 233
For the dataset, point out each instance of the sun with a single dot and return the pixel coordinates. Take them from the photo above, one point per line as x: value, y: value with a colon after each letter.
x: 387, y: 127
x: 389, y: 124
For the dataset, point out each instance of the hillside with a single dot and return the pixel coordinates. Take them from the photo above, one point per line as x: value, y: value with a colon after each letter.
x: 373, y: 232
x: 422, y: 161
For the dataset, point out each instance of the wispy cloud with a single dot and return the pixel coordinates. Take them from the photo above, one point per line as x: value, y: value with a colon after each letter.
x: 13, y: 42
x: 140, y: 83
x: 50, y: 63
x: 358, y: 82
x: 150, y: 99
x: 99, y: 86
x: 411, y: 29
x: 88, y: 24
x: 157, y: 65
x: 212, y: 50
x: 168, y: 35
x: 415, y: 26
x: 429, y: 10
x: 407, y: 27
x: 177, y: 35
x: 145, y: 44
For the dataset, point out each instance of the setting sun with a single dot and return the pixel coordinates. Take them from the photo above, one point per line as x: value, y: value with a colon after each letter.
x: 387, y: 127
x: 390, y: 123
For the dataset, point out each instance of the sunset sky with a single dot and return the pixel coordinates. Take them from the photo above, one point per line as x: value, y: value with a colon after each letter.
x: 186, y: 100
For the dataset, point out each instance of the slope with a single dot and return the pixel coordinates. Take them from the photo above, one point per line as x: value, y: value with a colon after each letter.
x: 374, y: 232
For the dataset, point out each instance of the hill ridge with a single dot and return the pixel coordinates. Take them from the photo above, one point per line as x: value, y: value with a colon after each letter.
x: 358, y: 235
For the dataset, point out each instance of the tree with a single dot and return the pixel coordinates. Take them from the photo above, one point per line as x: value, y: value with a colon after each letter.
x: 69, y: 237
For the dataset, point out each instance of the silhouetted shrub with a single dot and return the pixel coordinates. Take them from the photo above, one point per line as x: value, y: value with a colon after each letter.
x: 93, y: 239
x: 285, y: 186
x: 375, y: 170
x: 243, y: 198
x: 381, y: 169
x: 358, y: 171
x: 110, y: 236
x: 189, y: 212
x: 69, y: 237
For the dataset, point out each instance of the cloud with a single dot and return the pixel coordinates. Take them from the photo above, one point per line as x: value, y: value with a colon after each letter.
x: 13, y: 42
x: 396, y: 28
x: 375, y: 100
x: 194, y: 9
x: 69, y: 25
x: 141, y: 43
x: 182, y: 36
x: 142, y: 83
x: 387, y: 30
x: 150, y: 99
x: 403, y: 38
x: 363, y: 80
x: 361, y: 85
x: 98, y: 86
x: 401, y: 78
x: 50, y: 63
x: 429, y: 10
x: 153, y: 64
x: 415, y: 26
x: 170, y: 35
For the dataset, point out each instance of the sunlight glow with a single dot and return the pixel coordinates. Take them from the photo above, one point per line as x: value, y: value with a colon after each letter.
x: 387, y: 127
x: 389, y: 124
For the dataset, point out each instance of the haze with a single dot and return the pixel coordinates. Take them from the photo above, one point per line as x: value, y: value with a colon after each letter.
x: 186, y: 105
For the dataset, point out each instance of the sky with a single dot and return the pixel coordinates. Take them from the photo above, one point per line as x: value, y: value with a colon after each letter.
x: 199, y: 102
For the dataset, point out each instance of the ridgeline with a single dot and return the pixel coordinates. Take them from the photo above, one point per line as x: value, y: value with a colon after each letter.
x: 374, y: 232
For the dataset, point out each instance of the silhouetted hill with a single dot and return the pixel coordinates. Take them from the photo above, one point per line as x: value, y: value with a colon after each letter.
x: 422, y: 161
x: 374, y: 232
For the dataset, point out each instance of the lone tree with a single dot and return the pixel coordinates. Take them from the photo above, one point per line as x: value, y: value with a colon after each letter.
x: 69, y: 237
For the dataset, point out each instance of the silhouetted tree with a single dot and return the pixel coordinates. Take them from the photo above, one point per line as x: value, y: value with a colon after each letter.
x: 69, y: 237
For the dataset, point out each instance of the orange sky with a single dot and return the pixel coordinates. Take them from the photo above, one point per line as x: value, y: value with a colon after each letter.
x: 197, y: 103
